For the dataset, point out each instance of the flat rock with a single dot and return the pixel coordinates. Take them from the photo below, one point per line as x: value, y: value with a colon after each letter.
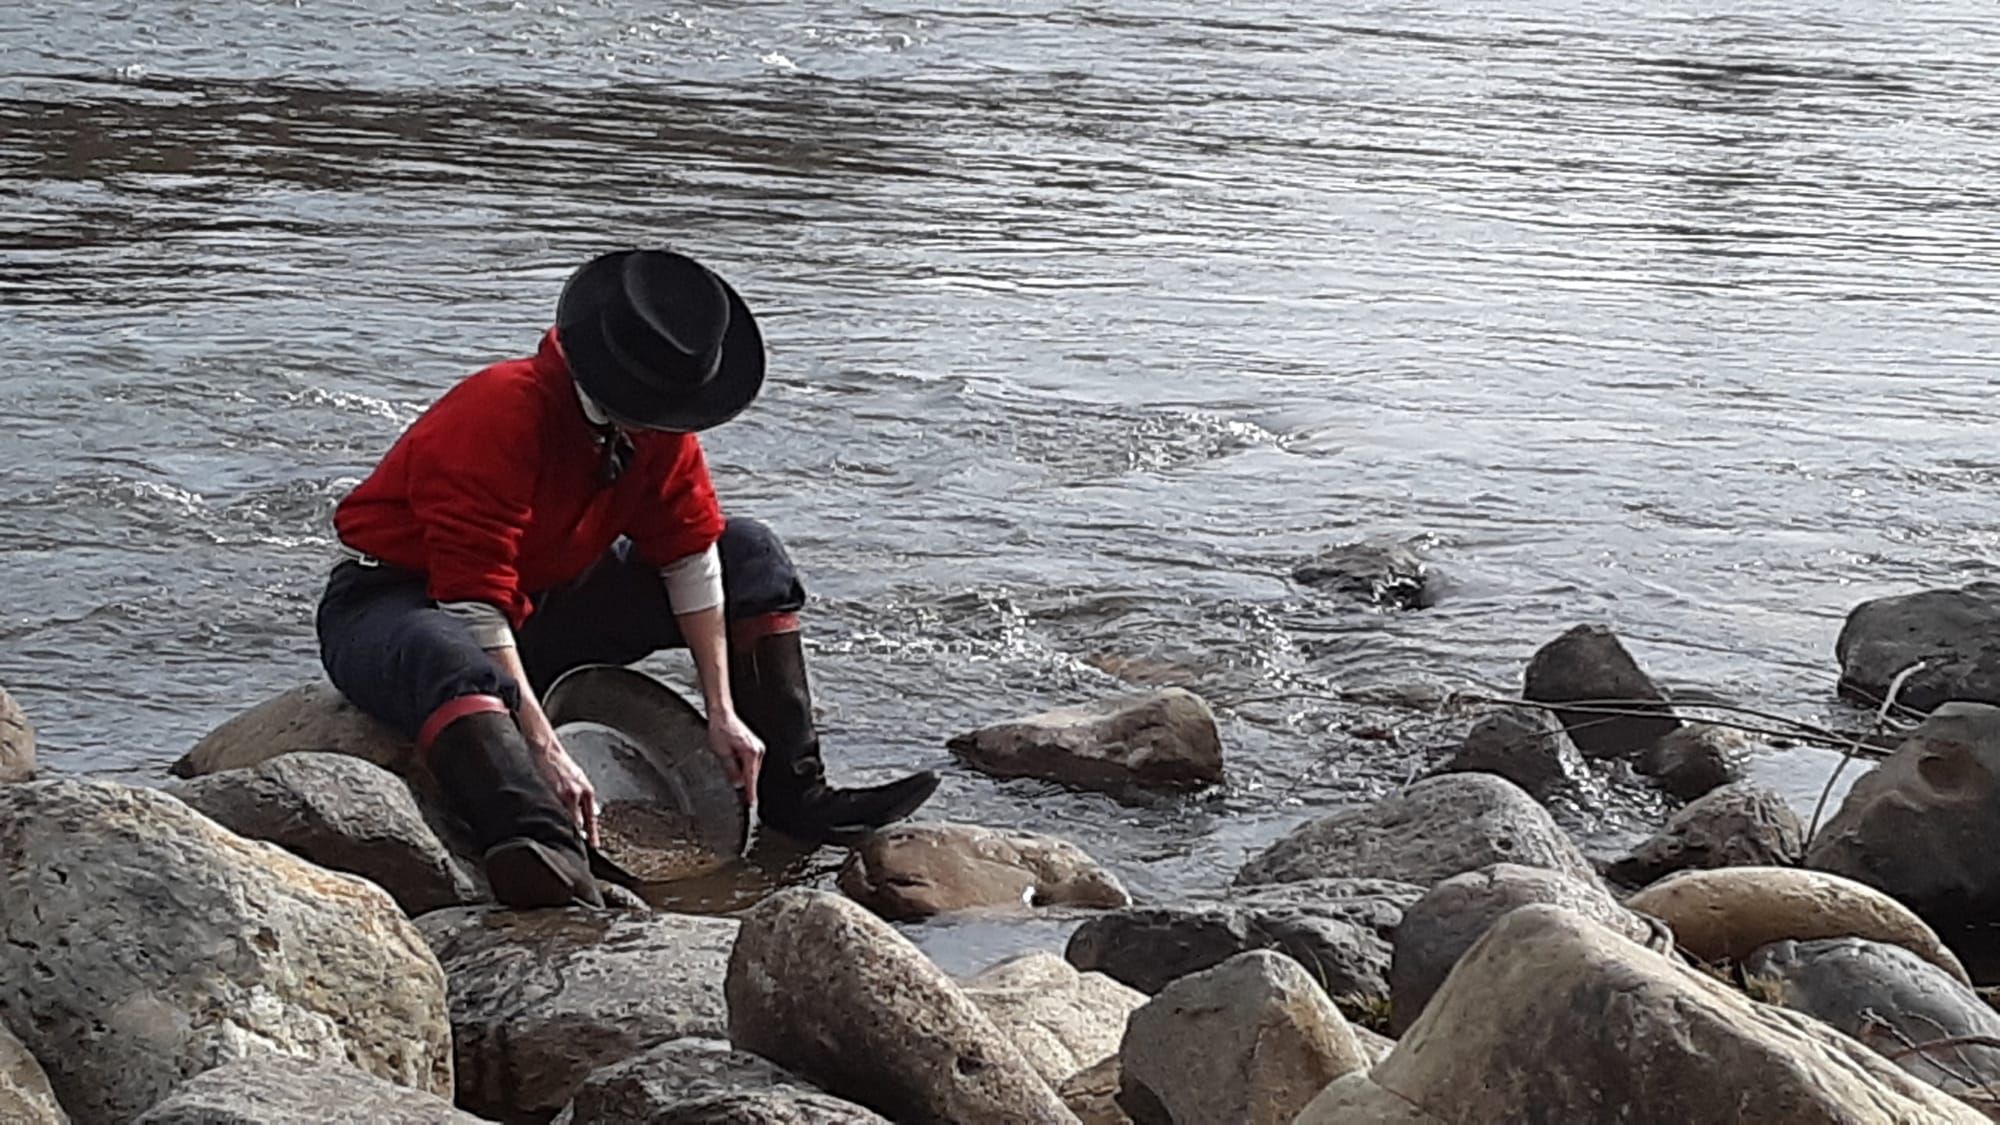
x: 540, y: 999
x: 1093, y: 1094
x: 1249, y: 1042
x: 1340, y: 929
x: 1550, y: 1017
x: 311, y: 717
x: 17, y: 741
x: 275, y: 1090
x: 1740, y: 825
x: 1424, y: 834
x: 1438, y: 929
x: 1523, y: 745
x: 1063, y: 1021
x: 1589, y: 664
x: 1956, y: 632
x: 1729, y: 913
x: 1697, y: 758
x: 915, y: 871
x: 342, y: 813
x: 25, y: 1096
x: 824, y: 988
x: 1159, y: 740
x: 1919, y: 826
x: 145, y: 944
x: 705, y: 1082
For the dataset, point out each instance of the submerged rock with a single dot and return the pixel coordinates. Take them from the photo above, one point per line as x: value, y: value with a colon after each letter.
x: 1387, y: 574
x: 25, y: 1096
x: 1550, y: 1017
x: 1589, y: 664
x: 1063, y: 1021
x: 917, y: 870
x: 1741, y: 825
x: 273, y: 1090
x: 541, y: 998
x: 705, y: 1082
x: 145, y: 944
x: 17, y: 741
x: 1161, y: 740
x: 1955, y: 632
x: 1695, y: 759
x: 1523, y: 745
x: 313, y: 716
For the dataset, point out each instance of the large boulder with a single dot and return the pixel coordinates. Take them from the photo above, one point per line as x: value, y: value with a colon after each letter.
x: 25, y: 1096
x: 1729, y: 913
x: 1248, y: 1042
x: 1161, y: 740
x: 1919, y: 825
x: 1550, y: 1017
x: 1741, y: 825
x: 820, y: 986
x: 1424, y: 834
x: 1063, y: 1021
x: 144, y: 944
x: 339, y: 812
x: 540, y: 999
x: 705, y: 1082
x: 1438, y: 929
x: 1589, y: 664
x: 1340, y: 929
x: 913, y: 871
x: 1910, y: 1010
x: 1955, y: 633
x: 17, y: 741
x: 1523, y: 745
x: 313, y: 716
x: 276, y: 1090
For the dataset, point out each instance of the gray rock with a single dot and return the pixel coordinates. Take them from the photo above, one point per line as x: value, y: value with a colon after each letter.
x: 540, y: 999
x: 1695, y: 759
x: 819, y: 985
x: 17, y: 741
x: 913, y: 871
x: 342, y: 813
x: 1919, y: 826
x: 274, y: 1090
x: 25, y: 1096
x: 1389, y: 574
x: 1523, y: 745
x: 1339, y: 929
x: 1093, y: 1094
x: 1063, y: 1021
x: 1957, y: 631
x: 1161, y: 740
x: 1249, y: 1042
x: 1424, y: 834
x: 1439, y: 928
x: 1589, y: 664
x: 705, y: 1082
x: 1740, y: 825
x: 1890, y: 999
x: 143, y: 944
x: 310, y: 717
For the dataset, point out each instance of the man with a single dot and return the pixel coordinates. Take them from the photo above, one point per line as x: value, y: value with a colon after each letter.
x: 553, y: 511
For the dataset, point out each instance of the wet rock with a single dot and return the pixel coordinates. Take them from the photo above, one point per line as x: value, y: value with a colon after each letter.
x: 1439, y: 928
x: 17, y: 741
x: 1424, y: 834
x: 1589, y: 664
x: 705, y: 1082
x: 1550, y: 1017
x: 819, y: 985
x: 1730, y: 913
x: 313, y: 716
x: 1525, y: 746
x: 1063, y: 1021
x: 1162, y: 740
x: 540, y: 999
x: 1956, y: 631
x: 1890, y: 999
x: 1339, y: 929
x: 341, y: 813
x: 917, y: 870
x: 25, y: 1096
x: 1387, y: 574
x: 145, y: 944
x: 1919, y: 826
x: 1093, y: 1094
x: 1250, y: 1042
x: 1695, y: 759
x: 1741, y: 825
x: 273, y: 1090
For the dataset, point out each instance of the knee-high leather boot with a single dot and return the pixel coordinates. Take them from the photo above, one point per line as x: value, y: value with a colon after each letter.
x: 767, y: 676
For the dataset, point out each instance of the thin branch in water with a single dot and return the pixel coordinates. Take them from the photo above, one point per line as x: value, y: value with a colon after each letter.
x: 1854, y: 746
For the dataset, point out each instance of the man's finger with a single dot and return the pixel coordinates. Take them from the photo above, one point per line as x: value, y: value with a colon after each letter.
x: 753, y: 764
x: 590, y: 818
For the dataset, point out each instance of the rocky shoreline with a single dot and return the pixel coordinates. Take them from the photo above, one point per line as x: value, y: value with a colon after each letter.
x: 289, y: 931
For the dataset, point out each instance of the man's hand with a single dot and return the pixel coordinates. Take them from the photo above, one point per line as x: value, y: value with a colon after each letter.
x: 741, y: 751
x: 571, y: 786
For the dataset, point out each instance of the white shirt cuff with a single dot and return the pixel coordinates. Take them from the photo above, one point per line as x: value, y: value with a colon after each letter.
x: 694, y: 582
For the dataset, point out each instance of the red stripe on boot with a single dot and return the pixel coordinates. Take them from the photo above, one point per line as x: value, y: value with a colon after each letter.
x: 750, y: 630
x: 454, y: 711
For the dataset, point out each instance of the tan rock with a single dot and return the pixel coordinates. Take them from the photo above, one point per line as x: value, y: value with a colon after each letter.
x: 1355, y: 1099
x: 1165, y: 740
x: 17, y: 741
x: 25, y: 1096
x: 313, y: 716
x: 1729, y: 913
x: 1062, y: 1020
x: 274, y: 1090
x: 918, y: 870
x: 1093, y: 1094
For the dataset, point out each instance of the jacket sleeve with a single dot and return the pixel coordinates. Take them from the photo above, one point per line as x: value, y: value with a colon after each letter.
x: 685, y: 519
x: 471, y: 488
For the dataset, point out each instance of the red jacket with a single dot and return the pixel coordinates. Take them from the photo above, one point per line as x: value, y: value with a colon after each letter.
x: 493, y: 492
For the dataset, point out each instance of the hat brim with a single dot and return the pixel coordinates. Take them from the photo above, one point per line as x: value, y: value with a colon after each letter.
x: 739, y: 376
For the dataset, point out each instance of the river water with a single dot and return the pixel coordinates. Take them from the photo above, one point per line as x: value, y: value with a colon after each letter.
x: 1087, y: 322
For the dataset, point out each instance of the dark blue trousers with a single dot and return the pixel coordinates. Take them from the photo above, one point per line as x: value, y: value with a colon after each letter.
x: 390, y: 650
